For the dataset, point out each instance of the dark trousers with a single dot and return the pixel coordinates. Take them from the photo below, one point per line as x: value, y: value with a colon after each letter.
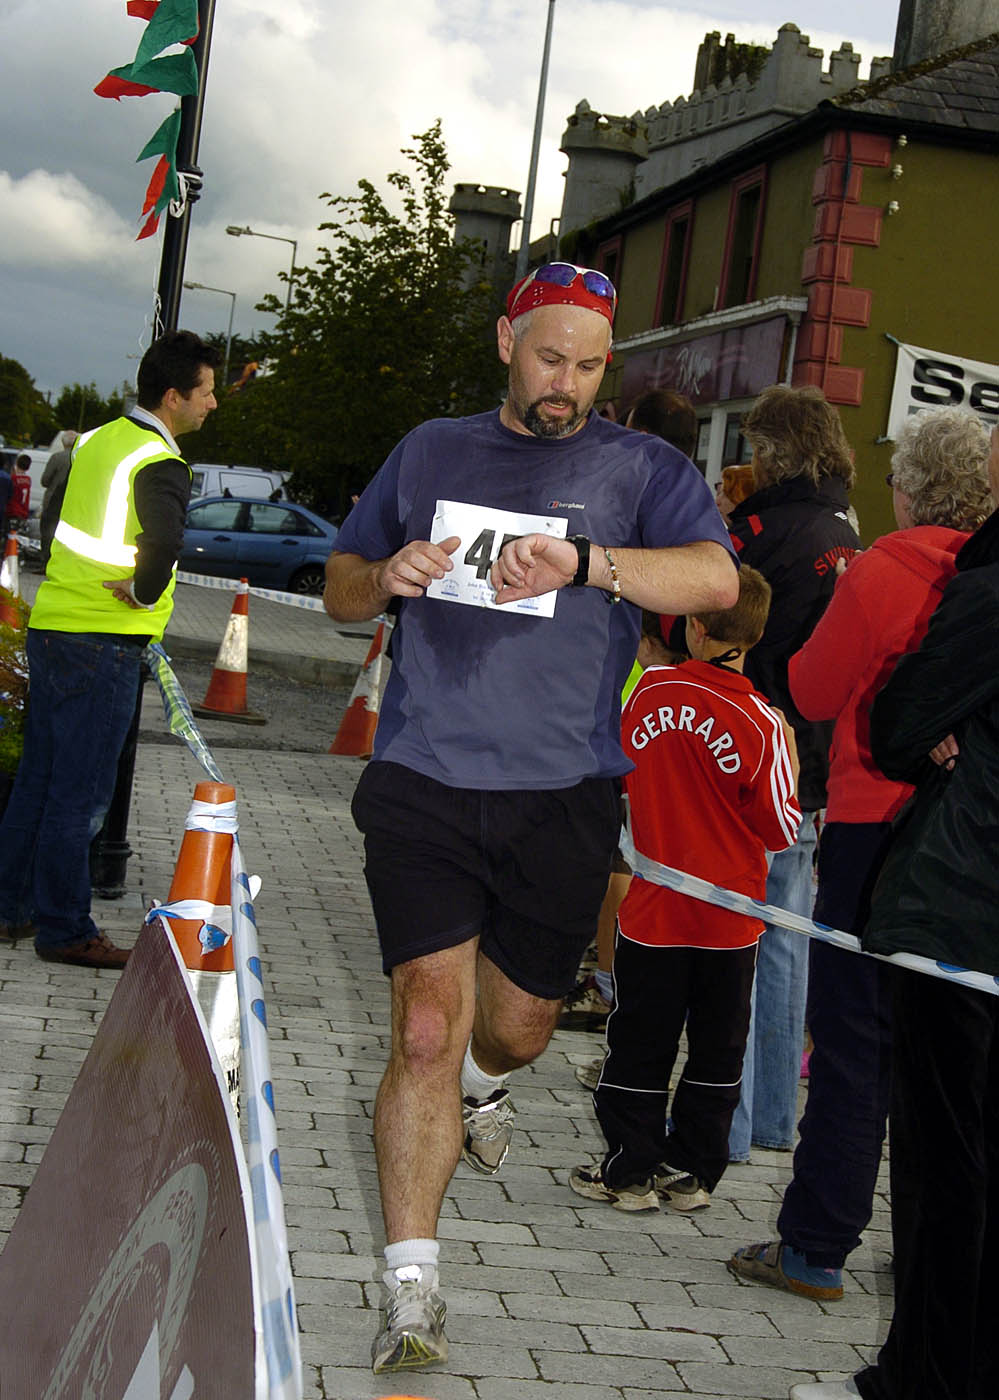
x: 656, y: 991
x: 83, y: 689
x: 829, y: 1199
x: 944, y: 1337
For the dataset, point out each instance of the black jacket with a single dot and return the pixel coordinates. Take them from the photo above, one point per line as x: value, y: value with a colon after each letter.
x: 938, y: 892
x: 793, y: 533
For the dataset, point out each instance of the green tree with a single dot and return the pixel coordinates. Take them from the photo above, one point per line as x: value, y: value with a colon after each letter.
x: 25, y: 414
x: 392, y: 326
x: 81, y: 406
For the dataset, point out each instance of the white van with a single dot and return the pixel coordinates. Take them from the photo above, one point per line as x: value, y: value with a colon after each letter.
x: 210, y: 479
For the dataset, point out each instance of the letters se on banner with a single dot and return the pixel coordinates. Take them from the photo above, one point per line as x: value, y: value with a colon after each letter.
x: 931, y: 379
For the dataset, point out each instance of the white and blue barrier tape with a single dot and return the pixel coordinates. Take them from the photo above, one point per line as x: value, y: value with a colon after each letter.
x: 273, y: 595
x: 704, y: 890
x: 176, y: 707
x: 277, y: 1289
x: 272, y: 1267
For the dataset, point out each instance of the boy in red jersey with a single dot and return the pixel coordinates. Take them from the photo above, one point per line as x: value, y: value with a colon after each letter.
x: 712, y: 791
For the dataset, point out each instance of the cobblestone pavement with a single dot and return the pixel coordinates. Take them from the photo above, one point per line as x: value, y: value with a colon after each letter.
x: 549, y: 1296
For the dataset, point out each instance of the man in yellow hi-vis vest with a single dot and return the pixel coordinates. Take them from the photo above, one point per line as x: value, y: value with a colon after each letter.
x: 108, y: 590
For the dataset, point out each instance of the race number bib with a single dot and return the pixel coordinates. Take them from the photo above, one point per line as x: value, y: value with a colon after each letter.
x: 483, y: 531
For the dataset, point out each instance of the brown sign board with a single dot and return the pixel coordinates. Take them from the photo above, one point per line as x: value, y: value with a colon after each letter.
x: 127, y: 1275
x: 736, y: 363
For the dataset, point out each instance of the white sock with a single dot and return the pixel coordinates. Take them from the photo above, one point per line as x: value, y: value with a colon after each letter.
x: 402, y: 1254
x: 475, y: 1083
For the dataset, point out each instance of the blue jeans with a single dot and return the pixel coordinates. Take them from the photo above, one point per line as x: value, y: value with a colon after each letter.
x: 829, y: 1199
x: 83, y: 689
x: 768, y: 1106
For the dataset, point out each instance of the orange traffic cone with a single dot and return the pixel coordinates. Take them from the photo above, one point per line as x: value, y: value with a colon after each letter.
x: 203, y: 934
x: 10, y: 583
x: 225, y: 697
x: 356, y: 734
x: 203, y: 872
x: 10, y: 570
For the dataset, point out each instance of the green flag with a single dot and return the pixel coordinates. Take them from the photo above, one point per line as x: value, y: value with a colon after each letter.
x: 172, y: 22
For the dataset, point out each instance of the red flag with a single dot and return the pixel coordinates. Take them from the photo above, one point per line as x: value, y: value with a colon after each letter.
x: 149, y: 227
x: 155, y: 187
x: 118, y: 86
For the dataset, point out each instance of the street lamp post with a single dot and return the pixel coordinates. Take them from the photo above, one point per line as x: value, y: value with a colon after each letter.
x: 525, y: 229
x: 200, y: 287
x: 237, y: 232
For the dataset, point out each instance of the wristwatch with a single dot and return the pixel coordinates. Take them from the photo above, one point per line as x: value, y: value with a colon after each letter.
x: 583, y: 567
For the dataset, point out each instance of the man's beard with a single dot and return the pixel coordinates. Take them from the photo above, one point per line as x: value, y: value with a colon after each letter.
x: 552, y: 427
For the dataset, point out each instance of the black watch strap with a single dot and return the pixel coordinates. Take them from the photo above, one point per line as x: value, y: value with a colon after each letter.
x: 583, y: 568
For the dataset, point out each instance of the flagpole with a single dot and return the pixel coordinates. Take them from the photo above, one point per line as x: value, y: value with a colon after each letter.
x: 175, y: 233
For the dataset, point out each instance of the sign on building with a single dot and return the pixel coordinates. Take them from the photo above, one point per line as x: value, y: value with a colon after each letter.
x: 931, y: 379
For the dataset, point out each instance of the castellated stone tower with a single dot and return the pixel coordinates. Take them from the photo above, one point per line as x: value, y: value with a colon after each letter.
x: 486, y: 214
x: 748, y: 90
x: 603, y: 153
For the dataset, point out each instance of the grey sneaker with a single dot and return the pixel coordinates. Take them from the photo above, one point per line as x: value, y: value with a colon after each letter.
x: 679, y: 1190
x: 589, y: 1182
x: 585, y: 1008
x: 488, y: 1130
x: 414, y: 1322
x: 589, y: 1074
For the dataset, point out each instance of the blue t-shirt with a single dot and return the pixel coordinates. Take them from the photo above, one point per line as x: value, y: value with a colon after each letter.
x: 488, y: 699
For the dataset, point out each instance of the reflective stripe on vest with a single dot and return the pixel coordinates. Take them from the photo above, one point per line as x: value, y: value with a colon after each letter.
x: 109, y: 546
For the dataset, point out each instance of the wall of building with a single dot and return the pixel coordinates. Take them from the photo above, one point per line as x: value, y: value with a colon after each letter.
x: 932, y: 286
x: 917, y: 274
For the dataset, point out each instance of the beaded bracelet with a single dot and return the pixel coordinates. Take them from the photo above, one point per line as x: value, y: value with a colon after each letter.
x: 615, y: 578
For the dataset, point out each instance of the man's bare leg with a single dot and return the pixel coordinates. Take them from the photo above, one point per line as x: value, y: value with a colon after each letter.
x: 418, y: 1132
x: 511, y: 1027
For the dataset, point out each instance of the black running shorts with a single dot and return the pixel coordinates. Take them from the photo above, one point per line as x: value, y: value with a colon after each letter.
x: 525, y: 871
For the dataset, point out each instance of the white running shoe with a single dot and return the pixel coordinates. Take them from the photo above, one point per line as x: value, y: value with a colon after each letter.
x: 488, y: 1130
x: 413, y: 1335
x: 825, y: 1390
x: 589, y: 1182
x: 679, y: 1190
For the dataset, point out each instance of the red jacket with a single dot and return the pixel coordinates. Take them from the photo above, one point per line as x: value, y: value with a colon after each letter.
x: 879, y: 611
x: 710, y: 793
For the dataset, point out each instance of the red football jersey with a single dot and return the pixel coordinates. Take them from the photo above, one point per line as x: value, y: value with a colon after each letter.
x: 20, y: 495
x: 711, y: 792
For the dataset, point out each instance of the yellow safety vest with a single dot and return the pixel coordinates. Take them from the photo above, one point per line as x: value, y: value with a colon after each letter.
x: 95, y: 538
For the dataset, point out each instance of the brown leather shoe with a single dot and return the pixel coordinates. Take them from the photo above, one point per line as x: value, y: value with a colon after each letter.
x: 13, y: 933
x: 89, y: 952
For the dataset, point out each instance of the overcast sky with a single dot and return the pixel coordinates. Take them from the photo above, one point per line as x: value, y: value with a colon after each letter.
x: 303, y: 96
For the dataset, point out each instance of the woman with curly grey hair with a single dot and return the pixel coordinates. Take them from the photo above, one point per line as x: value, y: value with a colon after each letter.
x: 939, y: 470
x: 880, y: 610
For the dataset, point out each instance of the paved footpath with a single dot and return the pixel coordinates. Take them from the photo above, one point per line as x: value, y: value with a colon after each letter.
x: 549, y: 1295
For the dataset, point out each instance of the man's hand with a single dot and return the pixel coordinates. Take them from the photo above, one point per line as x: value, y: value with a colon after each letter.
x: 944, y: 754
x: 407, y: 574
x: 121, y: 590
x: 532, y: 565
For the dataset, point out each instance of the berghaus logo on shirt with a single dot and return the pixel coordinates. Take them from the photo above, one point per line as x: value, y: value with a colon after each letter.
x: 565, y: 505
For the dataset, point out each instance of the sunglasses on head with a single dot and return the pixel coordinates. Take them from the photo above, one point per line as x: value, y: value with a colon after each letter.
x: 562, y: 274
